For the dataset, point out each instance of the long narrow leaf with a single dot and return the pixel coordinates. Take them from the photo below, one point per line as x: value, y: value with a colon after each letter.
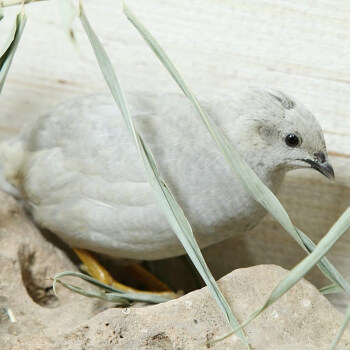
x: 111, y: 294
x: 293, y: 276
x: 112, y: 297
x: 9, y: 49
x: 248, y: 178
x: 325, y: 266
x: 332, y: 288
x: 168, y: 204
x: 341, y: 329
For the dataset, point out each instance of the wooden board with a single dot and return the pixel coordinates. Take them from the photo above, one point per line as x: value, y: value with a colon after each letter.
x: 302, y: 47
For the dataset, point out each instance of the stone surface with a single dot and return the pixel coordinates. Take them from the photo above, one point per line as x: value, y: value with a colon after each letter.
x: 302, y: 319
x: 27, y: 262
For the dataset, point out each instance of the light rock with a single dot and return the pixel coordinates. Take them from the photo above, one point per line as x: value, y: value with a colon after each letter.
x: 27, y: 263
x: 302, y: 319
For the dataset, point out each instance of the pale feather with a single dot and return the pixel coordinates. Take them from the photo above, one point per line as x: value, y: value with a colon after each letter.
x: 81, y: 177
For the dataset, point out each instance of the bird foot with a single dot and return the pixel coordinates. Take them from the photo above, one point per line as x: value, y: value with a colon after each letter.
x: 97, y: 271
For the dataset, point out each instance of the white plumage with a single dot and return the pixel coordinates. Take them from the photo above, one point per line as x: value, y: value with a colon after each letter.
x: 80, y: 176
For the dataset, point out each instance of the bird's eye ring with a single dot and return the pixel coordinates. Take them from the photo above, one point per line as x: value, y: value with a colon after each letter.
x: 292, y: 140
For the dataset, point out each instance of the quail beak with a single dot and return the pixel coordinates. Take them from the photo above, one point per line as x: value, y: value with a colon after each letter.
x: 321, y: 164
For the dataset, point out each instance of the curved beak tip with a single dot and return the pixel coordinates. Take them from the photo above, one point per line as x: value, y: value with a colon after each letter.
x: 330, y: 175
x: 325, y: 168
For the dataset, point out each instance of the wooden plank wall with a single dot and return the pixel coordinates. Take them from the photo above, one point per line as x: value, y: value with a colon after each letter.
x: 300, y: 46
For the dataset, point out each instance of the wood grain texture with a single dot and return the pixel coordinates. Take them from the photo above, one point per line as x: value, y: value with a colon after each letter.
x: 302, y: 47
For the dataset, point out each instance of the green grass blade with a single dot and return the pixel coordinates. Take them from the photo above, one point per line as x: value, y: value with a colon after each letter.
x: 325, y: 244
x: 341, y: 329
x: 325, y: 266
x: 332, y: 288
x: 111, y: 293
x: 9, y: 49
x: 94, y: 294
x: 84, y: 277
x: 248, y: 178
x: 168, y: 204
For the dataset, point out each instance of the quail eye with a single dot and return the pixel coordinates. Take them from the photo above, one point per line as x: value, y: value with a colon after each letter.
x: 292, y: 140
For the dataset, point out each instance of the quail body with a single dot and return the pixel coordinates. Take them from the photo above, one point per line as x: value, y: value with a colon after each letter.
x: 80, y: 176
